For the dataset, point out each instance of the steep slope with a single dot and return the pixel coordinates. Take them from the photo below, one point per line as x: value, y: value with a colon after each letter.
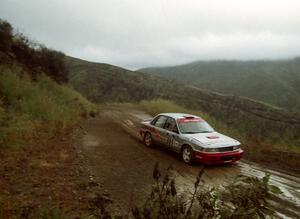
x: 273, y: 82
x: 35, y: 110
x: 254, y: 120
x: 104, y: 82
x: 36, y: 102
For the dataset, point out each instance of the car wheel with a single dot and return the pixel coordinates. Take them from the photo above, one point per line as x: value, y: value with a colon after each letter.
x: 148, y: 140
x: 187, y: 155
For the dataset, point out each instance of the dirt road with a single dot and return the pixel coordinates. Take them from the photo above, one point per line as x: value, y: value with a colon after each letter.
x: 123, y: 165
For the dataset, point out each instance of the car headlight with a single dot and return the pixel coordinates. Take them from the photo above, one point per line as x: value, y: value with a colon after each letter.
x: 197, y: 145
x: 236, y: 147
x: 198, y: 148
x: 211, y: 150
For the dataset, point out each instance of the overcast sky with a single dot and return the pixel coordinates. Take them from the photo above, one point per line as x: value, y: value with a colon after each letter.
x: 140, y: 33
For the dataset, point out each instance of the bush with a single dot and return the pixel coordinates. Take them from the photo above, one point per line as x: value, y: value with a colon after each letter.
x: 5, y: 36
x: 53, y: 64
x: 36, y: 57
x: 246, y: 197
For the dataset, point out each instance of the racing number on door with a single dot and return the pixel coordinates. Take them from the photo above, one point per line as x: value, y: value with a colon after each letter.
x: 170, y: 140
x: 170, y: 125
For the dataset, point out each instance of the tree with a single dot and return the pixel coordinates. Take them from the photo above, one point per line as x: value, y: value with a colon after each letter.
x: 6, y: 36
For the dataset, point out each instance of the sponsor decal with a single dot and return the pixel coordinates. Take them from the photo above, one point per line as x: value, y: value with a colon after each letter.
x: 212, y: 137
x: 183, y: 120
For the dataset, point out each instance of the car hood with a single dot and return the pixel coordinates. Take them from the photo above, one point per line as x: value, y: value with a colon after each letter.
x: 213, y: 140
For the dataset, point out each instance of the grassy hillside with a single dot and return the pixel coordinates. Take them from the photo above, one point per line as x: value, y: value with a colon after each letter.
x: 108, y: 83
x: 255, y: 121
x: 35, y: 100
x: 31, y: 110
x: 273, y: 82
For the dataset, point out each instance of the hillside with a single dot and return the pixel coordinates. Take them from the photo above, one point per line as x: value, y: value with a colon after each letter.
x: 31, y: 111
x: 39, y: 166
x: 108, y: 83
x: 254, y: 120
x: 274, y: 82
x: 35, y: 101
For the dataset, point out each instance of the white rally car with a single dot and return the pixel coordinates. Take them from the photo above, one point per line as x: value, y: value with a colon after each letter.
x: 192, y: 137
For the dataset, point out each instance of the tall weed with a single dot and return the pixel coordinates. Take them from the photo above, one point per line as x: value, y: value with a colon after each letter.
x: 245, y: 197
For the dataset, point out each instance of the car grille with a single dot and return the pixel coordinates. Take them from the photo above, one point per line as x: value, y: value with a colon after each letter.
x: 225, y: 149
x: 226, y: 158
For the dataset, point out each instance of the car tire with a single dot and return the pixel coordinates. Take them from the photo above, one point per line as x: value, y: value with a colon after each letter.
x: 188, y: 155
x: 148, y: 140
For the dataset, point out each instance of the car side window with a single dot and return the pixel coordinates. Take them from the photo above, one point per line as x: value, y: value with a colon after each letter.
x: 154, y: 120
x: 175, y: 129
x: 160, y: 121
x: 171, y: 125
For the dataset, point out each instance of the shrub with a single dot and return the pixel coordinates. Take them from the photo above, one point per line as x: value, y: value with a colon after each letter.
x: 53, y: 64
x: 36, y: 57
x: 246, y: 197
x: 5, y: 36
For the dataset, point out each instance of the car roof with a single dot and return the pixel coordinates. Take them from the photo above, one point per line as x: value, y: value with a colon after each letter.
x: 178, y: 115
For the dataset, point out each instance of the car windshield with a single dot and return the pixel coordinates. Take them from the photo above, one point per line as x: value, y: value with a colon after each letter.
x: 193, y: 127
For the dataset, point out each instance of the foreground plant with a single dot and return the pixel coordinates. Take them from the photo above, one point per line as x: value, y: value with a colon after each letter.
x: 246, y: 197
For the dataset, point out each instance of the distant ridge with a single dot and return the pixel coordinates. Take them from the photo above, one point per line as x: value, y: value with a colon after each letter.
x: 276, y: 82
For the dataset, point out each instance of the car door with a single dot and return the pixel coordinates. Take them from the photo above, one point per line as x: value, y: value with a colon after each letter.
x: 157, y: 134
x: 170, y: 135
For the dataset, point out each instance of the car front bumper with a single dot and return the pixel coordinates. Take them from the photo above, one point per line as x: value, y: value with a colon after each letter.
x: 218, y: 158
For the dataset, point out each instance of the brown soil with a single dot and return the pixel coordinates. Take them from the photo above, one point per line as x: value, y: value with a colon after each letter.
x: 44, y: 178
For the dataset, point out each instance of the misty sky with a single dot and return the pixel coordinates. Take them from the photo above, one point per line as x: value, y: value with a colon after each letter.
x: 140, y: 33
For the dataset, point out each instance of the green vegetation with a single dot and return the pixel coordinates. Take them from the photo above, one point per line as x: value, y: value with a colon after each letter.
x: 35, y: 109
x: 274, y: 82
x: 36, y: 58
x: 246, y: 197
x: 32, y: 103
x: 106, y: 83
